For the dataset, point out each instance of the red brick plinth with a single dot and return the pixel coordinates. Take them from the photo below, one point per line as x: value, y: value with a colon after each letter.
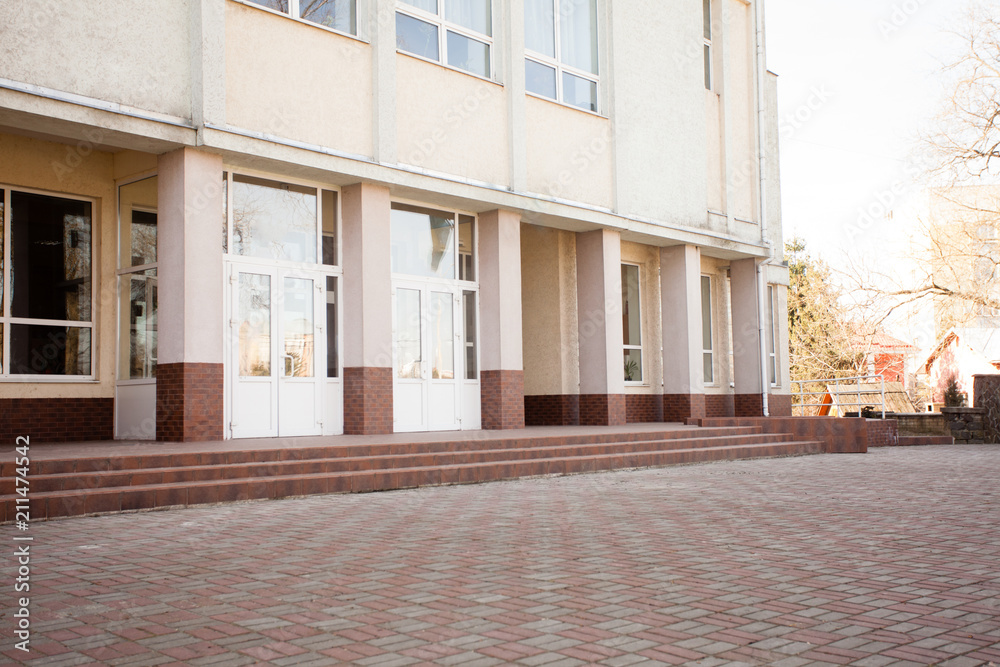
x: 779, y: 405
x: 719, y: 405
x: 602, y: 409
x: 367, y: 401
x: 502, y: 395
x: 189, y: 402
x: 749, y: 405
x: 643, y: 408
x: 681, y: 407
x: 57, y: 419
x: 552, y: 410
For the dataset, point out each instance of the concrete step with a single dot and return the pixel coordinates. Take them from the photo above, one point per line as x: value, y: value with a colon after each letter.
x: 417, y: 457
x: 76, y: 502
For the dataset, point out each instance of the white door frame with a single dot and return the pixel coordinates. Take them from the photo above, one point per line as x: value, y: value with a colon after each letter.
x: 437, y: 410
x: 277, y: 405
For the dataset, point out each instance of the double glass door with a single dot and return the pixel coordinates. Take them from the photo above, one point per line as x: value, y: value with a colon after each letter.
x: 278, y: 351
x: 428, y: 358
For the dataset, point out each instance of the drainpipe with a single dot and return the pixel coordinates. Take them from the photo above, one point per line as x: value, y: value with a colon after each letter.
x: 765, y: 380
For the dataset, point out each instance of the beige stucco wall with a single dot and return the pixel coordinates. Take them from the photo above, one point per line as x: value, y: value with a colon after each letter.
x: 741, y: 104
x: 715, y: 174
x: 648, y: 260
x: 61, y: 169
x: 297, y: 81
x: 451, y: 122
x: 133, y: 52
x: 659, y: 94
x: 549, y: 313
x: 569, y: 153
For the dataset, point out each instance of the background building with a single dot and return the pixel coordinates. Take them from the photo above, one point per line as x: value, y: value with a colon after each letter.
x: 226, y: 218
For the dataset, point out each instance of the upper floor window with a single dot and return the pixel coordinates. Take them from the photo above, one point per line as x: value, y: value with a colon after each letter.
x: 707, y: 6
x: 46, y: 311
x: 454, y: 32
x: 340, y: 15
x: 560, y: 37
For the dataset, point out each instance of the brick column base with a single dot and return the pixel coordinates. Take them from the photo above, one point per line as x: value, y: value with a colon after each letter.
x: 749, y: 405
x: 681, y: 407
x: 779, y: 405
x: 552, y: 410
x: 502, y: 394
x: 367, y: 401
x: 189, y: 402
x: 602, y: 409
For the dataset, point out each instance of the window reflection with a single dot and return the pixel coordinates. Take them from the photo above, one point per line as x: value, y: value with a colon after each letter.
x: 422, y: 242
x: 274, y: 220
x: 255, y: 325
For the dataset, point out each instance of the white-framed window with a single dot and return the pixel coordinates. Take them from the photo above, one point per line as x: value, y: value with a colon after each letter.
x: 275, y: 220
x: 339, y: 15
x: 707, y: 6
x: 137, y: 280
x: 772, y: 334
x: 456, y: 33
x: 46, y: 286
x: 561, y: 51
x: 288, y: 223
x: 708, y: 354
x: 632, y: 323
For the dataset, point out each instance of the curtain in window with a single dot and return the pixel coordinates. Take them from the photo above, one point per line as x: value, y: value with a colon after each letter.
x: 426, y: 5
x: 578, y: 33
x: 539, y: 27
x: 471, y: 14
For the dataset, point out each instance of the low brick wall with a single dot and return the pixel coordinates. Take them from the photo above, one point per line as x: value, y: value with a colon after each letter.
x: 921, y: 423
x: 966, y: 425
x: 841, y: 435
x: 883, y: 432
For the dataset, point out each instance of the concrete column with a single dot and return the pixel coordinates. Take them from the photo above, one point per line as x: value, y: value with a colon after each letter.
x: 683, y: 347
x: 189, y: 382
x: 502, y: 372
x: 746, y: 338
x: 367, y: 310
x: 599, y: 301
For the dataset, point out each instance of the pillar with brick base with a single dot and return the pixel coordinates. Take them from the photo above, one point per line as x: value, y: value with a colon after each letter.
x: 599, y: 299
x: 367, y: 310
x: 749, y: 401
x: 189, y: 372
x: 683, y: 347
x: 502, y: 373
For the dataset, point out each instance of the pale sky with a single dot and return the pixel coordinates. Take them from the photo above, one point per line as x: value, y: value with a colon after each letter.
x: 857, y: 81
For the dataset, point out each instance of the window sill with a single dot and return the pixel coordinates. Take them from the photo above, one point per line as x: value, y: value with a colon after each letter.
x: 253, y: 5
x: 48, y: 379
x: 566, y: 105
x: 450, y: 68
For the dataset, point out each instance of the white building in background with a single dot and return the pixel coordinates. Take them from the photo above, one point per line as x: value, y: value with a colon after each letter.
x: 236, y: 218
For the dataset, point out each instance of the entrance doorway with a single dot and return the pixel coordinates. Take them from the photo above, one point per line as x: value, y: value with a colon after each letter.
x: 279, y: 350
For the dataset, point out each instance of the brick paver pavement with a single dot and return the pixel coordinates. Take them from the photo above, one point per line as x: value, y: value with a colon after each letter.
x: 889, y: 558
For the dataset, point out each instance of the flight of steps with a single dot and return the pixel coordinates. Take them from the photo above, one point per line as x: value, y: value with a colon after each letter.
x: 93, y: 484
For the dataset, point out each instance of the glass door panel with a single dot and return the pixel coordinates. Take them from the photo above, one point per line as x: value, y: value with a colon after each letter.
x: 442, y: 336
x: 298, y: 329
x: 408, y: 339
x: 254, y: 325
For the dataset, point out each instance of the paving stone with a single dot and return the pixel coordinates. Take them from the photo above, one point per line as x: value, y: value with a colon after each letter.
x: 786, y: 562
